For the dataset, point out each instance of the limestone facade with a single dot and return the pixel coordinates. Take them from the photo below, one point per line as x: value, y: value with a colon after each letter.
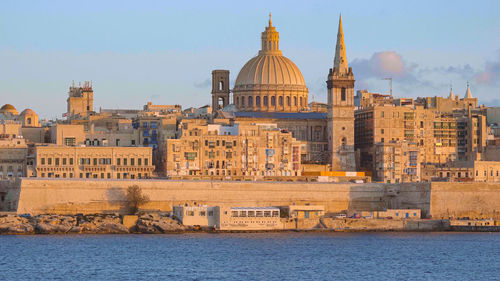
x: 226, y: 151
x: 80, y: 101
x: 93, y: 162
x: 13, y: 157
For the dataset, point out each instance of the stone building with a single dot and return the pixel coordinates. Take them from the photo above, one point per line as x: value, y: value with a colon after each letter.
x: 80, y: 101
x: 13, y: 156
x: 270, y: 89
x: 397, y: 161
x: 223, y: 151
x: 93, y: 162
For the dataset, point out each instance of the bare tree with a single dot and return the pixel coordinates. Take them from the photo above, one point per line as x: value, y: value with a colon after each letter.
x: 135, y: 198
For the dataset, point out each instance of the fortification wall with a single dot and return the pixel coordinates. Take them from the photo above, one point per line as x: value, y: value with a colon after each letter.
x: 458, y: 200
x: 71, y: 196
x: 96, y: 196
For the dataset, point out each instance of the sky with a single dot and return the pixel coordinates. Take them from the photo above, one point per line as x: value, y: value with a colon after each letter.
x: 164, y: 51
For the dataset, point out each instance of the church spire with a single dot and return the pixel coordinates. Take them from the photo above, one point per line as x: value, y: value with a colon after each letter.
x: 468, y: 94
x: 270, y: 21
x: 340, y: 62
x: 451, y: 96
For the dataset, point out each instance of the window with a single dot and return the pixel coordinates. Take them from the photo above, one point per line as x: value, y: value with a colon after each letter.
x: 266, y: 101
x: 257, y: 101
x: 295, y: 101
x: 203, y: 213
x: 146, y: 161
x: 234, y: 214
x: 57, y: 161
x: 250, y: 101
x: 42, y: 161
x: 132, y: 161
x: 118, y: 161
x: 382, y: 131
x: 280, y: 101
x: 117, y: 142
x: 71, y: 161
x: 190, y: 213
x: 64, y: 161
x: 300, y: 102
x: 288, y: 101
x: 139, y: 161
x: 69, y: 141
x: 382, y: 114
x: 49, y: 161
x: 243, y: 101
x: 273, y: 101
x: 124, y: 161
x: 342, y: 94
x: 95, y: 161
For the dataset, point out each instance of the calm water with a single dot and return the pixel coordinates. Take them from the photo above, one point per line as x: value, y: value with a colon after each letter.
x: 258, y: 256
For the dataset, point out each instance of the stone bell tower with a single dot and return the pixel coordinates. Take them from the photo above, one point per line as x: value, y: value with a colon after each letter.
x: 220, y: 89
x: 340, y: 86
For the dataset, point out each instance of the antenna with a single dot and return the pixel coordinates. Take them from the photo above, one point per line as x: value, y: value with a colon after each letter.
x: 390, y: 84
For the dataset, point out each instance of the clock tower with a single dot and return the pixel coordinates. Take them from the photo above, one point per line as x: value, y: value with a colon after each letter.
x: 340, y: 86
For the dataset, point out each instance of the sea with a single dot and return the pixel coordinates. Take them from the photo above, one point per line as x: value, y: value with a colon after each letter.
x: 253, y: 256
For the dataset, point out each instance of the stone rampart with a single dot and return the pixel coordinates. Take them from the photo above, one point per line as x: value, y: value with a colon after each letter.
x: 459, y: 200
x: 72, y: 196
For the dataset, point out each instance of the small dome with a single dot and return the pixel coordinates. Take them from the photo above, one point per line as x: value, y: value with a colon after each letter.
x: 28, y: 111
x: 9, y: 108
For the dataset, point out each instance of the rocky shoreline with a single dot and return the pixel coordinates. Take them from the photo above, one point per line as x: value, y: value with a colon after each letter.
x: 151, y: 223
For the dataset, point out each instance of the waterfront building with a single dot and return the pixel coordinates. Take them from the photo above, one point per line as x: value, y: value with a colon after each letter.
x: 93, y: 162
x: 248, y: 218
x: 199, y: 215
x: 305, y: 211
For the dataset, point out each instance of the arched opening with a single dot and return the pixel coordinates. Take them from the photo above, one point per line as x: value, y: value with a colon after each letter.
x: 342, y: 94
x: 273, y: 101
x: 343, y: 142
x: 237, y: 101
x: 295, y: 101
x: 280, y: 101
x: 220, y: 103
x: 250, y: 101
x: 28, y: 120
x: 266, y: 101
x: 221, y: 85
x: 288, y: 101
x: 257, y: 101
x: 301, y: 102
x: 242, y: 101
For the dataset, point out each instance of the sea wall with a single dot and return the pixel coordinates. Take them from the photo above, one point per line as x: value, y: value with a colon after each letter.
x: 72, y: 196
x: 88, y: 196
x: 459, y: 200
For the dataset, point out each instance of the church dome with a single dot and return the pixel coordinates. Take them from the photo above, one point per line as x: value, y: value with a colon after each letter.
x: 9, y: 108
x: 270, y: 81
x: 271, y: 69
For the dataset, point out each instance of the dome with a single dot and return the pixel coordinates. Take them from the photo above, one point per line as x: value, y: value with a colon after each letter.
x: 270, y: 70
x: 9, y: 108
x: 28, y: 111
x: 270, y: 81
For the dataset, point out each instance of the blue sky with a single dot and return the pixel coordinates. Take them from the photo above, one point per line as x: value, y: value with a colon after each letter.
x: 164, y: 51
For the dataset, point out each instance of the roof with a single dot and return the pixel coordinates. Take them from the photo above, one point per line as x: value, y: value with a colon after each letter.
x: 280, y: 115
